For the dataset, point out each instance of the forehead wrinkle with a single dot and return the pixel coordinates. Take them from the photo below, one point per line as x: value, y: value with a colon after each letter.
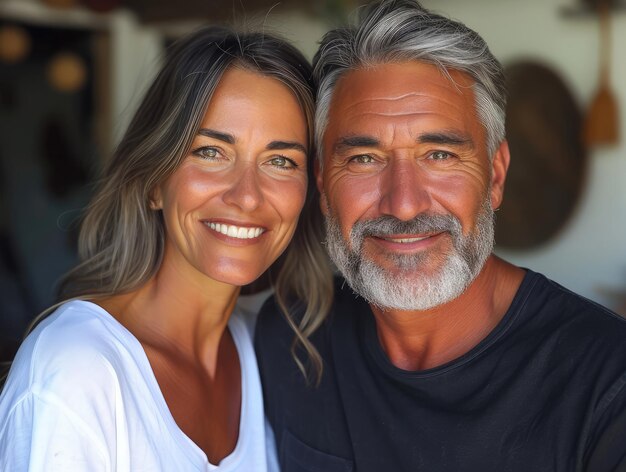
x: 389, y: 106
x: 374, y: 101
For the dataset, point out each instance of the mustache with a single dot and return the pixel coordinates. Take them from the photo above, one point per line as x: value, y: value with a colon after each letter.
x: 423, y: 223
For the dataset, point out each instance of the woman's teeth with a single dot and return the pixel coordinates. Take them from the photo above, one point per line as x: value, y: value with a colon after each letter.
x: 236, y: 231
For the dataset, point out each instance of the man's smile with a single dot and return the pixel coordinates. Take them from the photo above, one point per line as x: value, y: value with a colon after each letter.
x: 407, y: 242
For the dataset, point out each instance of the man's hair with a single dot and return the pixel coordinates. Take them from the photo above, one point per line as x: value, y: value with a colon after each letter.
x: 402, y: 30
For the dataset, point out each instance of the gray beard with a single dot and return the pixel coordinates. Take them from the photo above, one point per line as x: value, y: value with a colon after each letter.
x: 406, y: 287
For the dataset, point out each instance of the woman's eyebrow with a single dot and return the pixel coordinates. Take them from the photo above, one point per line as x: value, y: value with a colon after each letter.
x: 280, y: 145
x: 211, y: 133
x: 230, y: 139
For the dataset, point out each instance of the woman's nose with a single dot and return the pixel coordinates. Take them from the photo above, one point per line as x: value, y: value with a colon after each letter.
x: 245, y: 191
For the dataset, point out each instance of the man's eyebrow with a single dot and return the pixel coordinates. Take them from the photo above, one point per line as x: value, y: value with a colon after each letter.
x: 211, y: 133
x: 280, y: 145
x: 449, y: 138
x: 348, y: 142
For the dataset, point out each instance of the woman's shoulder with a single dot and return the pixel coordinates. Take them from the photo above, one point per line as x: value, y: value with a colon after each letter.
x: 77, y: 327
x: 65, y: 384
x: 79, y: 342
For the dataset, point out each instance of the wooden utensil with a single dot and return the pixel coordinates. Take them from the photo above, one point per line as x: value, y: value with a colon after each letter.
x: 602, y: 120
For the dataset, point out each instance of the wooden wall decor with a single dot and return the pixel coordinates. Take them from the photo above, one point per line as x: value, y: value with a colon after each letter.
x: 601, y: 126
x: 548, y: 157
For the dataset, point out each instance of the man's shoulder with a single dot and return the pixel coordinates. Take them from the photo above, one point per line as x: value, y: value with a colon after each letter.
x: 577, y: 329
x: 300, y: 409
x: 573, y: 311
x: 272, y: 319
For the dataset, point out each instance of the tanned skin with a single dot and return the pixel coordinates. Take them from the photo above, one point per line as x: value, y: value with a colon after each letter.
x: 246, y: 168
x: 404, y: 139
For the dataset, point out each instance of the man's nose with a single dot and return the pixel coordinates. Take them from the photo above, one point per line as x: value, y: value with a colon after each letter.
x: 404, y: 194
x: 245, y: 191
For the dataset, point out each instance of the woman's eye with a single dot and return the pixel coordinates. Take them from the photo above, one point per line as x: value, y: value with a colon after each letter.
x: 207, y: 152
x: 440, y: 155
x: 282, y: 162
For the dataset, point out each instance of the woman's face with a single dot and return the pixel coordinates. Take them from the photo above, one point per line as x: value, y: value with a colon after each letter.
x: 232, y: 206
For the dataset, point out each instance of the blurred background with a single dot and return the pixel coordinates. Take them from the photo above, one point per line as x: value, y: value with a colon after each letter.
x: 72, y: 72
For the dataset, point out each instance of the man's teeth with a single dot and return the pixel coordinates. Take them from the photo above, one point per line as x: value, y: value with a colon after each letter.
x: 405, y: 240
x: 236, y: 231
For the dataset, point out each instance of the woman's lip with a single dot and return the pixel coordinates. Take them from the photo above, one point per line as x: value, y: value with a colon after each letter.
x: 238, y: 231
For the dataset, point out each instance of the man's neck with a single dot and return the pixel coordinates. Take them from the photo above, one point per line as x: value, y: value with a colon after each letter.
x: 419, y: 340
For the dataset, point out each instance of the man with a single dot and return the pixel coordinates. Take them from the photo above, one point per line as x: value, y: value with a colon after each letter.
x: 450, y: 359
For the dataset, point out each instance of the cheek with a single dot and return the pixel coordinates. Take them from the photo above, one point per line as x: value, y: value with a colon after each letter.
x: 288, y: 200
x: 352, y: 197
x: 189, y: 187
x: 461, y: 197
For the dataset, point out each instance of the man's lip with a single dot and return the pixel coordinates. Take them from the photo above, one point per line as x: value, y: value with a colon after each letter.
x: 406, y: 242
x: 406, y: 238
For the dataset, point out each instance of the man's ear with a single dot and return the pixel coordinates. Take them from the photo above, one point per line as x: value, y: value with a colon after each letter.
x: 499, y: 168
x: 155, y: 199
x: 319, y: 180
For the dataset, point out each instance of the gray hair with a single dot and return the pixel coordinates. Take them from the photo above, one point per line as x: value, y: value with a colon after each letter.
x: 402, y: 30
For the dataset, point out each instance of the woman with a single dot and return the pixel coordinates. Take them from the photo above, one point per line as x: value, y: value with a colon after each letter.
x: 143, y: 367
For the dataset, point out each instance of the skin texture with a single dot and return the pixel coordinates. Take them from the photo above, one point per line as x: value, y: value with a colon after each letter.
x: 246, y: 167
x: 403, y: 139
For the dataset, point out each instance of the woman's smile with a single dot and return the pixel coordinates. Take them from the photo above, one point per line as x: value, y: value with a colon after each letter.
x: 234, y: 231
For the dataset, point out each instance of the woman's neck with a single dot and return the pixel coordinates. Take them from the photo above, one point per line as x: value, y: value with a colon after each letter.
x: 177, y: 310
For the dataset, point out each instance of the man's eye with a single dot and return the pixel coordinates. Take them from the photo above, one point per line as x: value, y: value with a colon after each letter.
x: 207, y: 152
x: 362, y: 159
x: 283, y: 162
x: 440, y: 155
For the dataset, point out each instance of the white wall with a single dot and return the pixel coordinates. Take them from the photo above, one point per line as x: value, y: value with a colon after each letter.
x: 589, y: 255
x: 136, y: 55
x: 304, y: 31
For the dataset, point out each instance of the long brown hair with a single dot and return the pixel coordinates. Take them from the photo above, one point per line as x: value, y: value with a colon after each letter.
x: 122, y: 239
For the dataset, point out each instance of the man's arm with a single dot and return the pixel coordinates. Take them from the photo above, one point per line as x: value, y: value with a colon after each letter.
x: 607, y: 441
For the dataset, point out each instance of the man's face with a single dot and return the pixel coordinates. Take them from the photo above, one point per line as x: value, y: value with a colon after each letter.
x: 407, y: 185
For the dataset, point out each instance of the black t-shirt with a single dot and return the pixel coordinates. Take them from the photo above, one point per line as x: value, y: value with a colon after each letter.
x: 544, y: 391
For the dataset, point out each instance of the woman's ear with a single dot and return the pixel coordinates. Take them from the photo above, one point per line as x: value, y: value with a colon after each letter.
x: 156, y: 202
